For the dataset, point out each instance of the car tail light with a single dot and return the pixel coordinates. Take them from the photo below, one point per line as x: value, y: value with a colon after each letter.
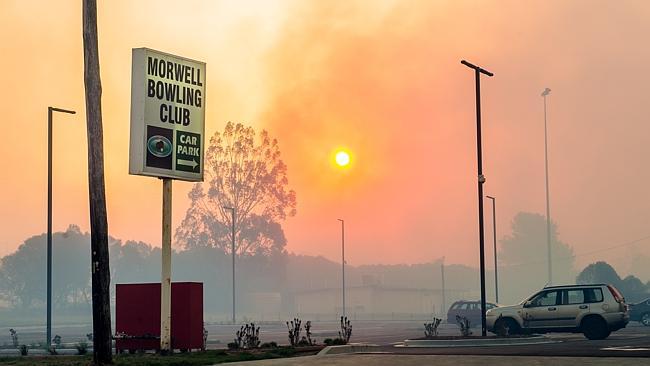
x: 617, y: 295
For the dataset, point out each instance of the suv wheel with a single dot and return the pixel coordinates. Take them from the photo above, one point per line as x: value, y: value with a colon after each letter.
x: 506, y: 327
x: 645, y: 319
x: 595, y: 328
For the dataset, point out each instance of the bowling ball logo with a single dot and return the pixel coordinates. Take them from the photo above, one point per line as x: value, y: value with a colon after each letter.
x: 159, y: 146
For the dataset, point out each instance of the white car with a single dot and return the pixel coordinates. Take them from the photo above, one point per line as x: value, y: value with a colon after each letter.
x: 595, y: 310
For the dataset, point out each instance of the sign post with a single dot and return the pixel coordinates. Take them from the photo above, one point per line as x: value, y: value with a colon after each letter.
x: 167, y: 129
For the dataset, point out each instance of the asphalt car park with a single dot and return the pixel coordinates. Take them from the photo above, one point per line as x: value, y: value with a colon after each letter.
x: 632, y: 341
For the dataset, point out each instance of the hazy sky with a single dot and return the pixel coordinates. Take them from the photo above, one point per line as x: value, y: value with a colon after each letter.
x: 383, y: 79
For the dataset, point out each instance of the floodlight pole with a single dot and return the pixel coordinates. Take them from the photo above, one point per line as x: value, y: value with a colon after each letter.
x: 343, y: 260
x: 545, y: 93
x: 232, y: 227
x: 481, y: 179
x: 442, y: 280
x: 48, y: 332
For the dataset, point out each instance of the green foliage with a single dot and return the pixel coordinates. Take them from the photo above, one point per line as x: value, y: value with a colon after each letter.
x: 23, y: 350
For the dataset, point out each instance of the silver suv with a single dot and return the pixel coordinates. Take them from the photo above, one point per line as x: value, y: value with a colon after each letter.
x: 594, y: 310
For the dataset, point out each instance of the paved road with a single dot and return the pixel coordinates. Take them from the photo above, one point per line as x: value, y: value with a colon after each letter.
x: 411, y: 360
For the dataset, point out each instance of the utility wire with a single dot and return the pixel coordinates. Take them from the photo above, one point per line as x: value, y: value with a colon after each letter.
x: 582, y: 254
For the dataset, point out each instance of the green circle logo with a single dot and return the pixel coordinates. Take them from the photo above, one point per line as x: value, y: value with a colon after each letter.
x: 159, y: 146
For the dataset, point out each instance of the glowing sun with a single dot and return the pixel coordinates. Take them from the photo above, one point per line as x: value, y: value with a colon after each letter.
x: 342, y: 158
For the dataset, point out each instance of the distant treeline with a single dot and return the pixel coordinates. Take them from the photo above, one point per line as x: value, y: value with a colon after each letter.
x: 23, y: 274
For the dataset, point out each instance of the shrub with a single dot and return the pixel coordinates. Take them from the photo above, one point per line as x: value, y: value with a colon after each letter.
x: 269, y: 345
x: 57, y: 340
x: 248, y: 336
x: 14, y: 337
x: 82, y: 348
x: 464, y: 324
x: 308, y: 333
x: 294, y: 331
x: 233, y: 346
x: 23, y: 350
x: 346, y: 330
x: 431, y: 329
x: 205, y: 338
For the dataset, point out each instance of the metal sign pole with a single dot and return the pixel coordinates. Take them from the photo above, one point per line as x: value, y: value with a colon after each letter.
x: 165, y: 288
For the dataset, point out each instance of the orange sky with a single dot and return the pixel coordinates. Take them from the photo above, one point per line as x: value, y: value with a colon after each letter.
x: 382, y: 78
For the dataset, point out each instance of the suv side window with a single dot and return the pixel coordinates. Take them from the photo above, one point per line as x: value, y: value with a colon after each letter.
x: 546, y: 298
x: 593, y: 295
x: 574, y: 297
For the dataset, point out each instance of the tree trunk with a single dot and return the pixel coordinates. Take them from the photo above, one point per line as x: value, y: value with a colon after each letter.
x: 98, y: 221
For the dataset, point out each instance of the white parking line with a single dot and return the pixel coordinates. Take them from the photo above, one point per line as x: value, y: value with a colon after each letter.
x: 625, y: 348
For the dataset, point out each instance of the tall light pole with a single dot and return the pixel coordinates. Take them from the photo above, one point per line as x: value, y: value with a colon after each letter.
x: 343, y: 259
x: 50, y: 110
x: 494, y: 232
x: 442, y: 280
x: 232, y: 227
x: 546, y: 92
x: 481, y: 179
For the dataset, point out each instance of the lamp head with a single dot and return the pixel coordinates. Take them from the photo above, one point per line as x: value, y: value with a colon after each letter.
x: 546, y: 92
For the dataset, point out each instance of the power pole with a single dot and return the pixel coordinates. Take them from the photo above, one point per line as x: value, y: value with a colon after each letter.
x: 100, y: 270
x: 481, y: 180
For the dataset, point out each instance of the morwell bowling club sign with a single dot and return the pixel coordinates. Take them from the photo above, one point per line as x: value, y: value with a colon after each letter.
x: 167, y: 116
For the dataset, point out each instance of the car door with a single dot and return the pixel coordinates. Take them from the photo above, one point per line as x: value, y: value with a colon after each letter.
x: 541, y: 310
x: 474, y: 313
x: 573, y: 306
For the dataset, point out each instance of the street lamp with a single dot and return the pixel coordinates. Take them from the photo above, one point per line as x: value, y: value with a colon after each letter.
x: 343, y: 259
x: 481, y: 179
x: 494, y: 232
x: 50, y: 110
x: 546, y: 92
x: 232, y: 209
x: 443, y: 311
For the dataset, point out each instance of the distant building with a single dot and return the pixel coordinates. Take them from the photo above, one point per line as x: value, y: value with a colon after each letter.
x: 375, y: 302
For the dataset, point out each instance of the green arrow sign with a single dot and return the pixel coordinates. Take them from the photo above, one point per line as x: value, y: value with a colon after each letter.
x: 188, y: 151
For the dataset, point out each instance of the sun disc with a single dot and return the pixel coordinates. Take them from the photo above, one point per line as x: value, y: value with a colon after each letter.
x: 342, y: 158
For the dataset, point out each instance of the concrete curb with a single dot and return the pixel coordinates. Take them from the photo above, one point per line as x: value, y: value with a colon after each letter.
x: 348, y: 348
x: 492, y: 342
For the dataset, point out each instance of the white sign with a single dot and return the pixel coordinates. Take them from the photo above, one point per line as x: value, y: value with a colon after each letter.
x: 167, y: 116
